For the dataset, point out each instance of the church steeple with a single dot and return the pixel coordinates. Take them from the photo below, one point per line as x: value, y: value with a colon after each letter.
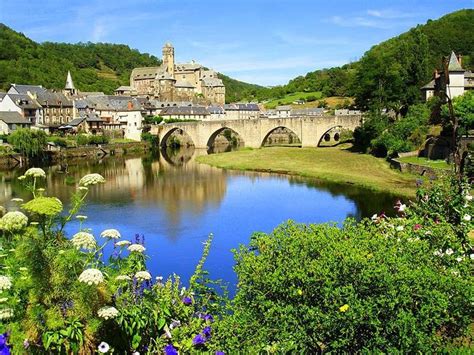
x: 69, y: 88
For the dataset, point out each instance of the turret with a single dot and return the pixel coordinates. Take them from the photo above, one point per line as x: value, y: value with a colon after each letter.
x: 168, y: 58
x: 69, y: 89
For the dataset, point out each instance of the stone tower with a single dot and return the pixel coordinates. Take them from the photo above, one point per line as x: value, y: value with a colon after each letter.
x: 168, y: 58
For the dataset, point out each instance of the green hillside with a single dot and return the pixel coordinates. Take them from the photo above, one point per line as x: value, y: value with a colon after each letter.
x: 94, y: 66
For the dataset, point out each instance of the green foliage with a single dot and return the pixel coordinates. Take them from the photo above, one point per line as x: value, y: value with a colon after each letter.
x: 150, y: 138
x: 153, y: 119
x: 383, y: 285
x: 59, y: 141
x: 178, y: 120
x: 44, y: 206
x: 28, y: 142
x: 463, y: 109
x: 84, y: 139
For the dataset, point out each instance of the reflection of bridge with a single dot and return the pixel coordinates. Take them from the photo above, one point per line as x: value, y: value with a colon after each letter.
x: 310, y: 130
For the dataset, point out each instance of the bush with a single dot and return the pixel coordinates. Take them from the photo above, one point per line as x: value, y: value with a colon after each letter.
x: 83, y: 139
x: 28, y: 142
x: 364, y: 287
x: 59, y: 141
x: 153, y: 119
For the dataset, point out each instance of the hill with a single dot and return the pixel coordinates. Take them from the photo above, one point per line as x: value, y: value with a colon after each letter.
x: 406, y: 62
x: 94, y: 66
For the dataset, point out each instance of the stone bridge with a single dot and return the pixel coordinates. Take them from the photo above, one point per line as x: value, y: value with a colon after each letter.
x: 309, y: 129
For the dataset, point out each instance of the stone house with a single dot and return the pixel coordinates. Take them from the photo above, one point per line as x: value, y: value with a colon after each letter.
x: 460, y: 80
x: 89, y: 123
x: 242, y: 111
x: 178, y: 82
x: 12, y: 120
x: 185, y: 113
x: 25, y: 105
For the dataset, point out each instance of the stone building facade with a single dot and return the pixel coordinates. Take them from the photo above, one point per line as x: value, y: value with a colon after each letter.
x: 178, y: 82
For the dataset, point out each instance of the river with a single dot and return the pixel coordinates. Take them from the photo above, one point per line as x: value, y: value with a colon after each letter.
x: 175, y: 203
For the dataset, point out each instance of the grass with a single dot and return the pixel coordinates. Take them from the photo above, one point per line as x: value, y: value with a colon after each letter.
x: 121, y: 140
x: 338, y: 165
x: 289, y: 98
x: 437, y: 164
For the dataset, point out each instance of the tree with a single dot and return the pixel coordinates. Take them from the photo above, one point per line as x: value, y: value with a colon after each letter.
x: 27, y: 142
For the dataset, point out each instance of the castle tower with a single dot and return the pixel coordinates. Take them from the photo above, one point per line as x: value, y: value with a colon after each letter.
x: 168, y: 58
x: 69, y: 89
x: 456, y: 77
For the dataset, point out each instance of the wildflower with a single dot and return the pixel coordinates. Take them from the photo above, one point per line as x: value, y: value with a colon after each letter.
x: 170, y: 350
x: 207, y: 331
x: 218, y: 352
x: 26, y: 343
x: 207, y: 317
x: 84, y: 240
x: 399, y: 228
x: 471, y: 256
x: 107, y: 312
x: 344, y: 308
x: 123, y: 243
x: 22, y: 177
x: 16, y: 199
x: 459, y: 259
x: 4, y: 348
x: 159, y: 280
x: 417, y: 226
x: 83, y: 188
x: 91, y: 179
x: 468, y: 197
x: 103, y: 347
x: 36, y: 173
x: 5, y: 283
x: 123, y: 278
x: 449, y: 251
x: 110, y: 234
x: 467, y: 217
x: 438, y: 253
x: 6, y: 313
x: 45, y: 206
x: 81, y: 217
x: 91, y: 276
x: 3, y: 300
x: 187, y: 301
x: 143, y: 276
x: 175, y: 324
x: 374, y: 217
x: 199, y: 340
x: 136, y: 248
x: 13, y: 221
x: 402, y: 208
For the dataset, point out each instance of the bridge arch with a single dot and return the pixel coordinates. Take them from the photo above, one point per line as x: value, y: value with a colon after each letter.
x: 168, y: 134
x: 213, y: 136
x: 326, y: 136
x: 272, y: 130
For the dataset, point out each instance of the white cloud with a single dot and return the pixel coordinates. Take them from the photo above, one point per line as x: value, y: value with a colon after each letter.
x: 389, y: 14
x: 359, y: 21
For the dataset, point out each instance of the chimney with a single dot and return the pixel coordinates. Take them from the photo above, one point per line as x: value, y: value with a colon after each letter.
x: 130, y: 105
x: 459, y: 56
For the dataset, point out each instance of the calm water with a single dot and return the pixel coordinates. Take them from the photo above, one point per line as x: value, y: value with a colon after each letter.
x: 175, y: 203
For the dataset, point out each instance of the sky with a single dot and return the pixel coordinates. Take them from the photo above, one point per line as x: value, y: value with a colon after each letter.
x: 266, y: 42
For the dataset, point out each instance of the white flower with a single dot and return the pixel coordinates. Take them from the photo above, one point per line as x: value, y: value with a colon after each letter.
x: 13, y: 221
x: 123, y: 243
x: 3, y: 300
x: 91, y: 179
x: 123, y: 278
x: 399, y: 228
x: 91, y: 276
x: 449, y: 251
x: 374, y: 217
x: 468, y: 197
x: 103, y: 347
x: 81, y: 217
x: 136, y: 248
x: 17, y: 199
x: 438, y: 253
x: 459, y: 259
x: 110, y: 234
x: 471, y: 256
x: 35, y: 172
x: 22, y: 177
x: 467, y: 217
x: 107, y: 312
x: 6, y: 313
x: 402, y: 208
x: 143, y: 276
x: 5, y: 283
x: 84, y: 240
x: 83, y: 188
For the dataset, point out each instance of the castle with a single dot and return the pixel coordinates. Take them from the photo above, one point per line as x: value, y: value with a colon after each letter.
x: 178, y: 82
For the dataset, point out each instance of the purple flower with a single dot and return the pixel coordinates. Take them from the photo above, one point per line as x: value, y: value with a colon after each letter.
x: 219, y: 353
x: 207, y: 317
x: 187, y: 301
x: 4, y: 348
x: 199, y: 340
x: 170, y: 350
x: 207, y: 332
x: 26, y: 344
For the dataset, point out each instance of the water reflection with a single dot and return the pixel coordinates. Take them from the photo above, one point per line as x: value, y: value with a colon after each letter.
x: 175, y: 202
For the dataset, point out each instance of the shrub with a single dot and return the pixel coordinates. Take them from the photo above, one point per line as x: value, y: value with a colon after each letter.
x: 373, y: 286
x: 28, y: 142
x: 59, y: 141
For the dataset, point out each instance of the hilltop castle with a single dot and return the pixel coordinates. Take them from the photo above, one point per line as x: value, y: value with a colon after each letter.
x: 178, y: 82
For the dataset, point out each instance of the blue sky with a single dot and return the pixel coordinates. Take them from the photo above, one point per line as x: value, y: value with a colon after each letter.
x: 266, y: 42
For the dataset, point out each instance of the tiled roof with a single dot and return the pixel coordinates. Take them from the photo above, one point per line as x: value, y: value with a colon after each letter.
x: 185, y: 110
x: 11, y: 117
x: 454, y: 64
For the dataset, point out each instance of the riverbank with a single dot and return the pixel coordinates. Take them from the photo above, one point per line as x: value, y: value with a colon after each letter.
x: 338, y: 165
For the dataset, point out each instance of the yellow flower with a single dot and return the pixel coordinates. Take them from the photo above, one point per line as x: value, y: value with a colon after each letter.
x: 344, y: 308
x: 300, y: 292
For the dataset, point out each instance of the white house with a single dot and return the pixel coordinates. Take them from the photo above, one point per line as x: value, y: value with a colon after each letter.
x: 25, y: 105
x: 131, y: 123
x: 12, y: 120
